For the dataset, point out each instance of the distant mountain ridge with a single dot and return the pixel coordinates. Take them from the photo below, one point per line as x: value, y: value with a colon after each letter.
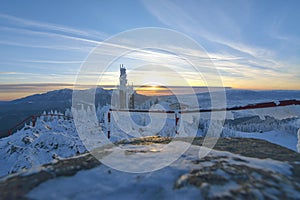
x: 14, y: 111
x: 56, y: 95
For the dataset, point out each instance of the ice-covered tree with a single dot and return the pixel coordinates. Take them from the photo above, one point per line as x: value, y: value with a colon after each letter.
x: 298, y: 145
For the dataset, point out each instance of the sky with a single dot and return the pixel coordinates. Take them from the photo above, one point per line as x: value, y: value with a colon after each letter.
x: 44, y: 44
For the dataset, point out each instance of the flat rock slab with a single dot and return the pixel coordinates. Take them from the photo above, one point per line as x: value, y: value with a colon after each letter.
x: 239, y: 168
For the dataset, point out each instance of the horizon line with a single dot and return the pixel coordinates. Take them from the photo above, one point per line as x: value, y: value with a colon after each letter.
x: 10, y: 92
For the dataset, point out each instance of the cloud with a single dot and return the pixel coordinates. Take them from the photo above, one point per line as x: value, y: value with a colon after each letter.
x: 54, y: 61
x: 17, y: 73
x: 8, y: 73
x: 27, y: 86
x: 193, y: 21
x: 214, y: 26
x: 52, y: 27
x: 50, y: 35
x: 50, y: 45
x: 31, y: 88
x: 135, y: 55
x: 34, y: 34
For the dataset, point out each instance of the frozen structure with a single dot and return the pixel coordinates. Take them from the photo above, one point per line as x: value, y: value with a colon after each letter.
x: 123, y: 97
x: 298, y: 144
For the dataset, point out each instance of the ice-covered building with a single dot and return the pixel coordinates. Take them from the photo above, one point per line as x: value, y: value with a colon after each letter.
x: 124, y: 95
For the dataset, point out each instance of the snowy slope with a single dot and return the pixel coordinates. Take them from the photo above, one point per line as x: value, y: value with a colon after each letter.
x: 277, y: 125
x: 276, y: 137
x: 33, y: 146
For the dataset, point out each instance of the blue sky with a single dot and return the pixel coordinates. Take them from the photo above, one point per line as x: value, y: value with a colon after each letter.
x: 253, y: 44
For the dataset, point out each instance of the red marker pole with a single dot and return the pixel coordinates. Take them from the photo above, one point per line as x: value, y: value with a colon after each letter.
x: 176, y: 122
x: 33, y: 121
x: 108, y: 125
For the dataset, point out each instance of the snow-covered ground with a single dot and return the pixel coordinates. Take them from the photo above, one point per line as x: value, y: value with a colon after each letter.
x: 218, y: 176
x: 277, y: 125
x: 161, y: 173
x: 54, y: 138
x: 276, y: 137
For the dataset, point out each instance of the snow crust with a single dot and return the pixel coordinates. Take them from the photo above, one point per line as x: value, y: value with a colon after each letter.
x: 105, y: 183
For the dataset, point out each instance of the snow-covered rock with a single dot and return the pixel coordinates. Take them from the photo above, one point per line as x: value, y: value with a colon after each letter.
x: 49, y: 139
x: 220, y: 175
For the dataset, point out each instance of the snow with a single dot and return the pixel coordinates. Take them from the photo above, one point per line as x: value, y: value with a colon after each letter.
x: 262, y: 164
x: 298, y: 143
x: 54, y: 138
x: 276, y: 137
x: 234, y: 98
x: 161, y: 155
x: 51, y: 138
x: 277, y: 112
x: 277, y: 125
x: 224, y: 190
x: 106, y: 183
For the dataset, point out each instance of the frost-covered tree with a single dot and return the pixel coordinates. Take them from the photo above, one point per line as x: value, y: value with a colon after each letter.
x: 298, y: 145
x: 68, y: 112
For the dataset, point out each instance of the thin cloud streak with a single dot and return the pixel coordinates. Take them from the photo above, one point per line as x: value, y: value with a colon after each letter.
x: 151, y: 55
x: 50, y: 46
x: 252, y: 61
x: 53, y: 27
x: 53, y: 61
x: 50, y: 34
